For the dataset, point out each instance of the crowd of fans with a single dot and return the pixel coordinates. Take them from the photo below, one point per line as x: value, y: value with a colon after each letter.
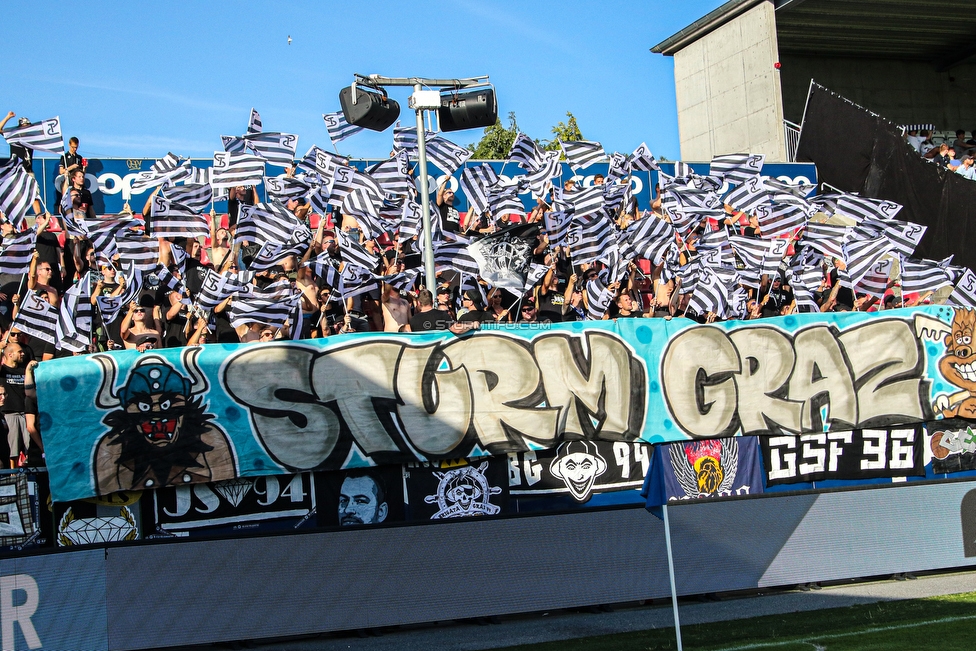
x: 957, y: 155
x: 162, y: 317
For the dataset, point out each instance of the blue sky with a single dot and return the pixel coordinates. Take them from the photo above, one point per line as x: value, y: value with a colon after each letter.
x: 134, y: 79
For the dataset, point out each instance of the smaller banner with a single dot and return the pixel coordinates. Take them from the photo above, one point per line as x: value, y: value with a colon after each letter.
x: 98, y: 520
x: 952, y: 443
x: 366, y: 496
x: 577, y: 474
x: 234, y: 506
x: 456, y: 489
x: 19, y: 512
x: 845, y: 456
x: 704, y: 469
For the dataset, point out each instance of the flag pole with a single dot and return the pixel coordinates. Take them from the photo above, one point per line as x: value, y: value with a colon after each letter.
x: 674, y: 591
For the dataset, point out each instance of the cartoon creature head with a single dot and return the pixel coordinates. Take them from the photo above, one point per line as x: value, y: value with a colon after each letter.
x: 157, y: 418
x: 578, y: 464
x: 958, y: 365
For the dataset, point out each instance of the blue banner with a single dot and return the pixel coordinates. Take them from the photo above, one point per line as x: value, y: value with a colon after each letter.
x: 706, y: 469
x: 125, y: 420
x: 110, y: 179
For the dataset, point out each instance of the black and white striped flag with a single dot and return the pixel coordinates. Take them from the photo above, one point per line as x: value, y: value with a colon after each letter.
x: 525, y: 153
x: 859, y: 208
x: 557, y: 225
x: 102, y: 233
x: 748, y: 196
x: 539, y: 179
x: 406, y: 138
x: 142, y: 252
x: 736, y: 168
x: 171, y: 282
x: 826, y: 238
x: 620, y: 166
x: 198, y: 176
x: 276, y: 148
x: 265, y: 222
x: 455, y: 255
x: 964, y: 294
x: 16, y: 252
x: 285, y: 188
x: 338, y: 128
x: 111, y: 306
x: 42, y: 136
x: 18, y: 189
x: 587, y: 201
x: 717, y: 241
x: 233, y: 144
x: 254, y: 124
x: 446, y: 155
x: 272, y: 253
x: 596, y: 237
x: 216, y: 288
x: 354, y: 252
x: 270, y: 306
x: 649, y: 237
x: 776, y: 251
x: 805, y: 282
x: 37, y: 317
x: 165, y: 171
x: 171, y: 219
x: 230, y: 170
x: 875, y: 281
x: 354, y: 280
x: 923, y: 276
x: 598, y: 299
x: 325, y: 267
x: 476, y: 182
x: 393, y: 175
x: 193, y: 196
x: 750, y: 250
x: 862, y: 256
x: 781, y: 219
x: 74, y: 327
x: 403, y: 281
x: 643, y: 160
x: 505, y: 201
x: 582, y: 153
x: 904, y: 236
x: 410, y: 219
x: 711, y: 293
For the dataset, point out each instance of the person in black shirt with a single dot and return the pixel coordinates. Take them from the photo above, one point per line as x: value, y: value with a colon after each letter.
x: 450, y: 217
x: 428, y: 318
x: 70, y: 161
x: 25, y: 154
x: 247, y: 195
x: 471, y: 299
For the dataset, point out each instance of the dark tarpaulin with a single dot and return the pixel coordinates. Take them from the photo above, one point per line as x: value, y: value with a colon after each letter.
x: 858, y: 151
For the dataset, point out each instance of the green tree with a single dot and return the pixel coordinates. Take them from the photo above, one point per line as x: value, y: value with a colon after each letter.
x: 496, y: 141
x: 565, y: 131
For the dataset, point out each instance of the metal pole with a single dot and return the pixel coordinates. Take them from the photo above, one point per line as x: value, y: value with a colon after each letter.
x: 431, y: 282
x: 674, y: 590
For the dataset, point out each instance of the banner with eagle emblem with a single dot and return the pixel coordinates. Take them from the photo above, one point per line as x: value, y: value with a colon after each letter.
x: 703, y: 469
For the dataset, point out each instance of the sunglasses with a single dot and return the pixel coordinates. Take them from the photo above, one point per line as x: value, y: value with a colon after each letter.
x: 139, y: 310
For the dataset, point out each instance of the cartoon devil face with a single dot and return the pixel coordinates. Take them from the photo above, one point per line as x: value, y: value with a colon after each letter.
x: 958, y: 365
x: 578, y: 464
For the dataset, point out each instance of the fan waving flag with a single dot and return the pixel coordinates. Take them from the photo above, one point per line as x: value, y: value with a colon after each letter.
x: 73, y: 332
x: 582, y: 153
x: 338, y: 128
x: 476, y: 181
x: 504, y: 256
x: 42, y: 136
x: 264, y: 222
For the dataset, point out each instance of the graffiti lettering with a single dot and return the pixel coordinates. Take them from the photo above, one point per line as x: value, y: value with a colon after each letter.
x: 762, y: 380
x: 437, y: 400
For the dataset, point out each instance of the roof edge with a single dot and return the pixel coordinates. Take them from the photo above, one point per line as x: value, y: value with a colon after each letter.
x: 705, y: 25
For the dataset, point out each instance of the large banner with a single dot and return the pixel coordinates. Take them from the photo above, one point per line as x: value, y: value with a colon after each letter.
x: 124, y: 420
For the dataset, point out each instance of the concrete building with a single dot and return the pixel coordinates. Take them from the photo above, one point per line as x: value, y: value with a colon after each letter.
x: 746, y: 67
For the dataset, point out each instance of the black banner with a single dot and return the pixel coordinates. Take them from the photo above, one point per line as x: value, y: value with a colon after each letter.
x: 235, y: 506
x: 576, y: 472
x: 366, y: 496
x: 112, y: 518
x: 456, y: 489
x: 853, y: 455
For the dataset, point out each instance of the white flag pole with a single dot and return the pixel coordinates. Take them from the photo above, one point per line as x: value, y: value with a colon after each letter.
x: 674, y: 592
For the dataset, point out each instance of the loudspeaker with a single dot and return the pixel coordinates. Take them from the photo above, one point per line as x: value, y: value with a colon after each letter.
x: 371, y: 110
x: 471, y: 109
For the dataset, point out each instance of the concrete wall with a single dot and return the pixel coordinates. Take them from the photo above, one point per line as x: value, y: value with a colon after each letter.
x: 905, y: 92
x: 728, y: 92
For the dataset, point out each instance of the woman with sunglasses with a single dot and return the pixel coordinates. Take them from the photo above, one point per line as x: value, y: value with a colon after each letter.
x: 141, y: 328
